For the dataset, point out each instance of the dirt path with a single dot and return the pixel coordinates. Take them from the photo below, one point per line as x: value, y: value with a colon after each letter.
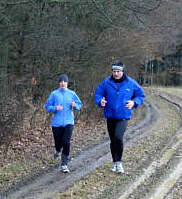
x: 160, y: 176
x: 54, y: 181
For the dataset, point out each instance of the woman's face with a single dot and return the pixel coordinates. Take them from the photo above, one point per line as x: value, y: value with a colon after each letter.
x: 63, y: 85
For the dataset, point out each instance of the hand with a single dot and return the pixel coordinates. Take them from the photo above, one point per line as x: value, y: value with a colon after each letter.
x: 59, y: 108
x: 130, y: 104
x: 103, y: 102
x: 73, y: 104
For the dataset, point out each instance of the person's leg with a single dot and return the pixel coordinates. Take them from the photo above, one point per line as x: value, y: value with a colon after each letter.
x: 57, y: 133
x: 121, y: 126
x: 111, y: 131
x: 119, y: 132
x: 66, y: 144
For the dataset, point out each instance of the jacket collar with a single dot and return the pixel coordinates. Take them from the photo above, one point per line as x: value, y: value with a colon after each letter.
x: 118, y: 80
x: 115, y: 84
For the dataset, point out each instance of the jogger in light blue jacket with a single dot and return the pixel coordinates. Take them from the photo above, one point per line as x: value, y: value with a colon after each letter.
x: 62, y: 102
x: 63, y: 98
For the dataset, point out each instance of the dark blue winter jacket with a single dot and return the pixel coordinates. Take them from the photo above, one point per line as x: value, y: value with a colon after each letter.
x: 117, y: 95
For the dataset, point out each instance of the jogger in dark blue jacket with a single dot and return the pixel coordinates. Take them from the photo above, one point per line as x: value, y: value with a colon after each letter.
x: 118, y: 94
x: 62, y: 102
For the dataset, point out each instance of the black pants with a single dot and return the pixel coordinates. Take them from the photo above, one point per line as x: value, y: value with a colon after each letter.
x: 116, y: 129
x: 62, y: 138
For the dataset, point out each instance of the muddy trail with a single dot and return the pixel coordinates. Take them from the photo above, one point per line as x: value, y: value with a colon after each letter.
x: 157, y: 177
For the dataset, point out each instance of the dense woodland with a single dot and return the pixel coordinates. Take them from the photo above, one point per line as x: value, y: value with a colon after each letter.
x: 41, y: 39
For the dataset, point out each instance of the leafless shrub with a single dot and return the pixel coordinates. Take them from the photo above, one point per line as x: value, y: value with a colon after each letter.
x: 12, y: 111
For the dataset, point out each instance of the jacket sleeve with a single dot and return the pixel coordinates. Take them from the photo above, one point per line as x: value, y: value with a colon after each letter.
x: 49, y: 106
x: 99, y: 94
x: 78, y: 103
x: 138, y: 96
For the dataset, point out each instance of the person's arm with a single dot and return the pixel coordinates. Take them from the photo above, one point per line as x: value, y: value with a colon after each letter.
x: 99, y: 97
x: 49, y: 106
x: 138, y: 96
x: 76, y: 103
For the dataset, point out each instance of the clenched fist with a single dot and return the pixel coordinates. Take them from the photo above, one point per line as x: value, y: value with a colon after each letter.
x: 103, y: 102
x: 130, y: 104
x: 59, y: 108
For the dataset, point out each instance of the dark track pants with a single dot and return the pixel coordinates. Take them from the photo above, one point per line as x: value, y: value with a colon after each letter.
x: 116, y: 129
x: 62, y: 138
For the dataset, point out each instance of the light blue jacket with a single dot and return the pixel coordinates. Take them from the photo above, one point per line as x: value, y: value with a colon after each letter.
x: 117, y: 95
x: 64, y: 98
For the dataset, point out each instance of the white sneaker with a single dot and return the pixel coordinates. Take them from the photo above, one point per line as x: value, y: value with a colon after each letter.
x: 64, y: 169
x: 113, y: 167
x: 119, y: 167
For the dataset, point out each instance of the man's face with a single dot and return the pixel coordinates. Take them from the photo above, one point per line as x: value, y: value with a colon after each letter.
x: 63, y: 85
x: 117, y: 74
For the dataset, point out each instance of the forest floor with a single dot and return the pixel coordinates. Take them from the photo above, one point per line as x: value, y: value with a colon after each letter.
x: 152, y: 160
